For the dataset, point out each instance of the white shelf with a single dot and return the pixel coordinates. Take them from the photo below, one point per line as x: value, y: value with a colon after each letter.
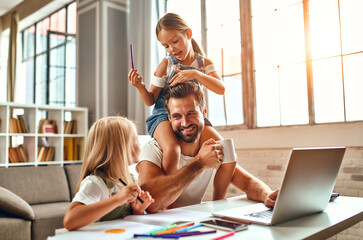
x: 32, y: 115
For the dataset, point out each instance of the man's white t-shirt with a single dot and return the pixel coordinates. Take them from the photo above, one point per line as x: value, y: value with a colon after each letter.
x: 194, y: 193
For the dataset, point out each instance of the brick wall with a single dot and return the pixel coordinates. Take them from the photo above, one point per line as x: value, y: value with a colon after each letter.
x: 269, y: 165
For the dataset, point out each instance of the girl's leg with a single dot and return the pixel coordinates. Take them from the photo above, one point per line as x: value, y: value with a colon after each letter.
x: 225, y: 172
x: 168, y: 142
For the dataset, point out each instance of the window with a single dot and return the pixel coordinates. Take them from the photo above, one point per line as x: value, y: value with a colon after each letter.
x: 222, y: 43
x: 306, y: 59
x: 49, y: 59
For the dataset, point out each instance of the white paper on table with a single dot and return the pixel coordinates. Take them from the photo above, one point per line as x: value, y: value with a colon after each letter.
x: 98, y: 231
x: 169, y: 217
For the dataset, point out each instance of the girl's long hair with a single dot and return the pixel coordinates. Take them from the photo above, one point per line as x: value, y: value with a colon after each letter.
x: 108, y: 150
x: 172, y: 21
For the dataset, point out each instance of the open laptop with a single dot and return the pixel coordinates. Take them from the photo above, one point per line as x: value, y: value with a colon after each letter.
x: 306, y: 188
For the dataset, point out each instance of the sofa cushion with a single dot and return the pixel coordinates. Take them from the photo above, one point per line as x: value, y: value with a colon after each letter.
x: 46, y: 221
x: 41, y: 184
x: 14, y: 228
x: 73, y: 172
x: 13, y: 204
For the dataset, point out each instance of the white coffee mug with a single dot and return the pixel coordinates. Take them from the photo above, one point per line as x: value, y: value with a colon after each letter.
x: 228, y: 150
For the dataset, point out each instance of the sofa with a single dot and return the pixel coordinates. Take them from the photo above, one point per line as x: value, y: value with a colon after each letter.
x: 33, y: 200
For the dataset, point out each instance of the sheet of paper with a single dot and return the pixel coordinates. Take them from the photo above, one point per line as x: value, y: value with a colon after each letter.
x: 169, y: 217
x: 103, y: 231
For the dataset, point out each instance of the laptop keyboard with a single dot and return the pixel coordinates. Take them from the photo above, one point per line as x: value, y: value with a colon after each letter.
x: 264, y: 214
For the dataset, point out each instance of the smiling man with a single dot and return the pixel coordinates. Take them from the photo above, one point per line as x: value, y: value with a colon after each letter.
x: 186, y: 108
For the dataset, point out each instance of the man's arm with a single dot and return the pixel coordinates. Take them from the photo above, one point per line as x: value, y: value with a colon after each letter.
x: 166, y: 189
x: 254, y: 188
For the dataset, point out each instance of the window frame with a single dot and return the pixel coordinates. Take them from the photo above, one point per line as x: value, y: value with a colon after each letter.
x: 45, y: 52
x: 248, y: 70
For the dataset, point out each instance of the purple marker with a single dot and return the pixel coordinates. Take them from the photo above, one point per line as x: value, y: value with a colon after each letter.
x: 132, y: 58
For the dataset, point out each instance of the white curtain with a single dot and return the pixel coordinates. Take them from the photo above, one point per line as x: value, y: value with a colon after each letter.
x: 147, y: 52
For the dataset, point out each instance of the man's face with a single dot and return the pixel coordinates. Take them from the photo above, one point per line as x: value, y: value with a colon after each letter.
x: 187, y: 120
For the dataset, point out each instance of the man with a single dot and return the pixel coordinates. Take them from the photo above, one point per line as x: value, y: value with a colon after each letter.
x: 186, y: 108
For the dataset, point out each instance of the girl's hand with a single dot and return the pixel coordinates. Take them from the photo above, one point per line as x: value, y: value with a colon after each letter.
x: 129, y: 193
x: 182, y: 76
x: 135, y: 79
x: 138, y: 207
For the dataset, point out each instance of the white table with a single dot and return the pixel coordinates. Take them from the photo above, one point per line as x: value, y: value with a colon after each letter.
x: 340, y: 214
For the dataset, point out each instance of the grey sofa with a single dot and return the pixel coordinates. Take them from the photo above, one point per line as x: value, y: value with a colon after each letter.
x: 33, y: 200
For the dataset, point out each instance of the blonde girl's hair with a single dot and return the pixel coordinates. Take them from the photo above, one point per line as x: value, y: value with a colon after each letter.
x: 108, y: 150
x: 172, y: 21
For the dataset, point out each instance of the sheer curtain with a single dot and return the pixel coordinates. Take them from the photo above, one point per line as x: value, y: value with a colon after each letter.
x: 147, y: 53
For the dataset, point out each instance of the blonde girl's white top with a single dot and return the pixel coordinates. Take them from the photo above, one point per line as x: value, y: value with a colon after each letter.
x: 93, y: 189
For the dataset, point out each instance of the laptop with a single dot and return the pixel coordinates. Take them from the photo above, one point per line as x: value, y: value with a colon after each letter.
x: 305, y: 189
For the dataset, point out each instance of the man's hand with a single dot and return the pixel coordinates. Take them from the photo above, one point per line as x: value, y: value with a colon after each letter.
x: 210, y: 154
x: 271, y: 198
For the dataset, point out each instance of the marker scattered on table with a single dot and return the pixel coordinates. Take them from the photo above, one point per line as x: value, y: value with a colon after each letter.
x: 172, y: 230
x: 126, y: 185
x: 188, y: 228
x: 224, y: 235
x: 132, y: 57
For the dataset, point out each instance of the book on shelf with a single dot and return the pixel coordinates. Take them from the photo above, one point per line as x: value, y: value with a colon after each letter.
x: 45, y: 154
x: 17, y: 125
x: 47, y: 126
x: 17, y: 154
x: 29, y: 146
x: 71, y: 149
x: 23, y: 125
x: 70, y: 127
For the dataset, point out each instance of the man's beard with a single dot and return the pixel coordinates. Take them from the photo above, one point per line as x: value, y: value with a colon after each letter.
x: 189, y: 138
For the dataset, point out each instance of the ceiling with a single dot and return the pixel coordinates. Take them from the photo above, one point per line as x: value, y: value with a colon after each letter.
x: 6, y: 5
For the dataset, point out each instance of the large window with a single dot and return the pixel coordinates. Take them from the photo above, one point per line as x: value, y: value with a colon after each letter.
x: 304, y: 66
x: 49, y: 59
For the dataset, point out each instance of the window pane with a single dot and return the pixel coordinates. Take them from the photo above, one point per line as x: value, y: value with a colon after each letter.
x: 225, y: 52
x: 267, y: 97
x: 190, y: 14
x: 71, y: 52
x: 264, y: 28
x: 29, y: 76
x: 233, y: 98
x: 29, y: 37
x: 290, y: 35
x: 70, y: 88
x: 279, y: 51
x: 328, y: 90
x: 216, y: 109
x: 293, y: 91
x: 352, y: 32
x: 41, y: 79
x: 56, y: 86
x: 72, y: 18
x: 42, y: 29
x: 57, y: 57
x: 58, y: 21
x: 324, y: 27
x: 353, y: 85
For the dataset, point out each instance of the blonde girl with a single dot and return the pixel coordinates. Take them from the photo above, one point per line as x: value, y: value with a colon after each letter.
x: 186, y: 61
x: 112, y: 145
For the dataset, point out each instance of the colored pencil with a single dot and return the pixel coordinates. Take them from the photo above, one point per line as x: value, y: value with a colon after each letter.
x: 126, y: 185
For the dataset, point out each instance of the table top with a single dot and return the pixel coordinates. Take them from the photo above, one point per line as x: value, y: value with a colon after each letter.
x: 340, y: 214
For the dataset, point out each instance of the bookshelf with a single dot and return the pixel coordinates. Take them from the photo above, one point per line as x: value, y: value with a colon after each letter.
x: 33, y: 134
